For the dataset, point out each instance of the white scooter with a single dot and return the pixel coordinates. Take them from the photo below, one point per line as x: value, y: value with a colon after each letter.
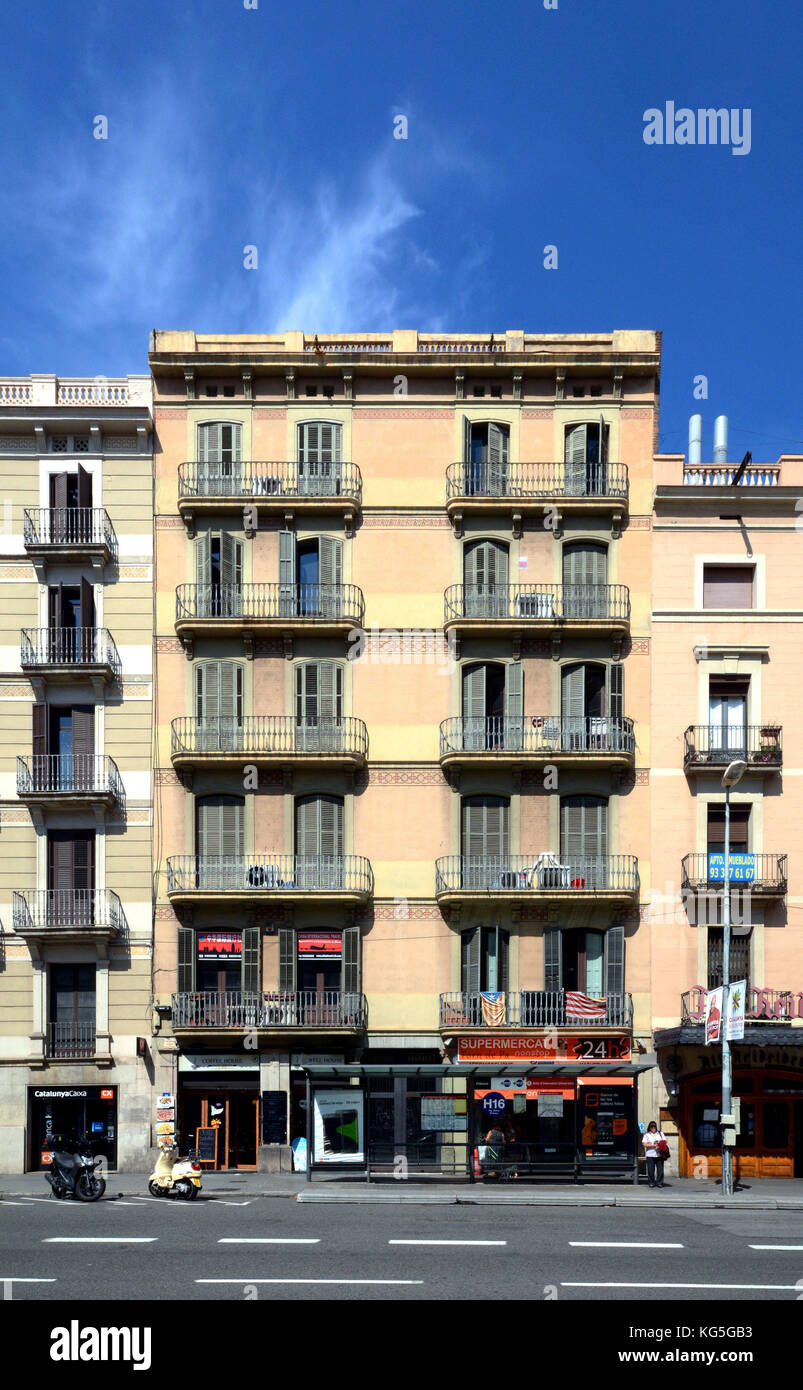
x: 174, y: 1176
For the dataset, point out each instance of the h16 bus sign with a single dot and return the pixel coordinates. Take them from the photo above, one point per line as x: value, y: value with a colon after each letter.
x: 741, y: 868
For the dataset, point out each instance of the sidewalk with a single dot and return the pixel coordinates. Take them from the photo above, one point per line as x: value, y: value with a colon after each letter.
x: 762, y: 1194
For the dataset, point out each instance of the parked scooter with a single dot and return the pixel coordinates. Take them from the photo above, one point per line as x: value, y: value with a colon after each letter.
x: 174, y: 1176
x: 72, y: 1170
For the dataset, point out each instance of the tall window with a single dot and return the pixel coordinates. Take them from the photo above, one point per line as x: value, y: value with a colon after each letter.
x: 585, y: 573
x: 493, y: 705
x: 219, y: 458
x: 320, y: 458
x: 738, y: 957
x: 220, y: 827
x: 485, y: 579
x: 484, y: 959
x: 219, y: 704
x: 591, y: 695
x: 219, y: 574
x: 583, y: 827
x: 310, y: 575
x: 486, y: 452
x: 585, y: 459
x: 319, y: 704
x: 727, y: 715
x: 485, y: 833
x: 72, y: 1009
x: 592, y: 962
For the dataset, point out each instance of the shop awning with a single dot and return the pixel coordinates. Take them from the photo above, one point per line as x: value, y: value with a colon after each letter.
x: 569, y: 1070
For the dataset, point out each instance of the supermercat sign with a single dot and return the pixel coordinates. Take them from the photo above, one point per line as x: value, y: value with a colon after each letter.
x: 510, y: 1049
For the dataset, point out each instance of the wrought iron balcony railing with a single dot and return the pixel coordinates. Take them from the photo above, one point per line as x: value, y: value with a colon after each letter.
x: 536, y: 1008
x: 537, y: 735
x: 272, y: 873
x: 250, y: 480
x: 74, y: 527
x: 305, y: 1008
x: 537, y: 873
x: 761, y: 1005
x: 44, y: 909
x: 539, y: 603
x: 271, y: 602
x: 69, y: 774
x: 755, y: 873
x: 67, y: 647
x: 70, y: 1040
x: 522, y: 481
x: 269, y: 734
x: 710, y: 744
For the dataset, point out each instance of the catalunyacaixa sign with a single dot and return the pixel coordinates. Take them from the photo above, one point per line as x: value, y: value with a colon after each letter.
x: 509, y: 1049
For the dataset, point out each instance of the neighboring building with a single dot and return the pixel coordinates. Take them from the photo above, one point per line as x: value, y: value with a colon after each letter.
x: 727, y: 613
x: 435, y: 853
x: 75, y: 788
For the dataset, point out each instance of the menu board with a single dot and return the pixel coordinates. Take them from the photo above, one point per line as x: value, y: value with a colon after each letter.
x: 605, y: 1123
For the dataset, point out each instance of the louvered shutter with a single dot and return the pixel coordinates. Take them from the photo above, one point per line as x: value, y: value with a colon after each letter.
x: 616, y: 703
x: 497, y: 460
x: 55, y: 606
x: 84, y: 863
x: 330, y: 571
x: 251, y: 962
x: 307, y: 839
x: 59, y: 484
x: 87, y: 604
x: 470, y: 946
x: 203, y: 568
x: 574, y: 454
x: 231, y: 575
x: 475, y: 732
x: 496, y: 828
x: 40, y: 730
x: 615, y: 962
x: 185, y: 981
x: 350, y: 970
x: 331, y: 823
x: 287, y: 573
x: 466, y: 440
x: 553, y: 959
x: 501, y: 949
x: 232, y: 828
x: 83, y: 748
x: 514, y: 704
x: 287, y: 960
x: 572, y: 707
x: 229, y: 680
x: 84, y: 487
x: 330, y: 702
x: 584, y: 570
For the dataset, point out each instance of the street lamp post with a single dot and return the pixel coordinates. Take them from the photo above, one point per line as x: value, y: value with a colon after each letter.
x: 732, y: 774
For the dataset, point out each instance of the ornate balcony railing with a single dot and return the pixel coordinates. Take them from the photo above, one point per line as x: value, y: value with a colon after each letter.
x: 523, y: 481
x: 71, y: 908
x: 536, y: 734
x: 67, y: 646
x: 755, y: 873
x: 250, y: 480
x: 269, y: 734
x: 535, y: 1008
x: 722, y: 475
x: 537, y: 873
x: 272, y: 873
x: 78, y: 527
x: 69, y: 774
x: 70, y: 1040
x: 761, y: 1005
x: 539, y: 603
x: 305, y: 1008
x: 755, y: 744
x: 272, y: 602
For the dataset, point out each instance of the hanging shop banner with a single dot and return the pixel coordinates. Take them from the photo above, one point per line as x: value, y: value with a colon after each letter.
x: 713, y: 1014
x: 338, y: 1126
x: 605, y: 1120
x: 734, y: 1023
x: 446, y: 1113
x: 320, y: 945
x: 507, y: 1050
x: 220, y: 945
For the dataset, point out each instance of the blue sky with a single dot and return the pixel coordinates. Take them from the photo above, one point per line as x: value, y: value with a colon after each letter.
x: 274, y: 127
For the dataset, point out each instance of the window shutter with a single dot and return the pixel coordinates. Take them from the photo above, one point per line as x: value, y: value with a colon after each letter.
x: 574, y: 446
x: 466, y: 439
x: 496, y: 828
x: 231, y: 573
x: 473, y: 829
x: 307, y: 692
x: 514, y: 704
x: 502, y: 956
x: 585, y: 564
x: 186, y: 960
x: 230, y: 684
x: 728, y: 586
x: 584, y: 826
x: 615, y: 961
x: 330, y: 695
x: 471, y: 564
x: 84, y: 487
x: 497, y: 460
x: 58, y: 485
x: 232, y: 837
x: 330, y: 561
x: 203, y: 559
x: 553, y: 959
x: 350, y: 972
x: 331, y: 826
x: 40, y: 714
x: 55, y: 606
x: 616, y: 690
x: 287, y: 572
x: 470, y: 944
x: 287, y: 960
x: 210, y: 443
x: 307, y: 840
x: 485, y: 826
x: 572, y: 693
x: 251, y: 967
x: 87, y: 604
x: 84, y: 863
x: 83, y: 732
x: 220, y: 826
x: 604, y: 432
x: 59, y: 862
x: 496, y: 562
x: 474, y: 728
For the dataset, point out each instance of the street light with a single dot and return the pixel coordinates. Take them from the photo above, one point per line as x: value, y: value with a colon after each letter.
x: 730, y: 777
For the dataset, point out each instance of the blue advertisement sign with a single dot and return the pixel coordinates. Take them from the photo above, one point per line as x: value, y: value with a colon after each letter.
x: 741, y: 868
x: 494, y: 1104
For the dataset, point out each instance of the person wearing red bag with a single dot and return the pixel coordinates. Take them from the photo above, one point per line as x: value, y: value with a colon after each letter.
x: 656, y: 1150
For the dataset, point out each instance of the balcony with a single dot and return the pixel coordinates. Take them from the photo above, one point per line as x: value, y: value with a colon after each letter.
x: 535, y: 740
x: 279, y: 877
x: 72, y: 1041
x: 250, y: 609
x: 309, y: 1009
x: 62, y: 654
x: 710, y: 747
x: 269, y: 486
x: 68, y: 913
x: 545, y: 609
x: 267, y: 740
x: 760, y: 875
x: 762, y: 1006
x: 69, y: 779
x: 526, y: 488
x: 536, y: 1008
x: 76, y: 534
x: 517, y: 877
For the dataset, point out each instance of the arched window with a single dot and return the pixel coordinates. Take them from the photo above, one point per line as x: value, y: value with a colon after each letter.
x: 319, y: 458
x: 485, y: 579
x: 219, y: 458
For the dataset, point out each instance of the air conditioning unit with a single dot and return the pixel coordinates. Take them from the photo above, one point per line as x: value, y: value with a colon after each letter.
x: 535, y: 605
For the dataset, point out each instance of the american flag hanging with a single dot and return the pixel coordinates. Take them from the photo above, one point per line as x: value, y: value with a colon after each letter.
x: 493, y: 1008
x: 583, y: 1006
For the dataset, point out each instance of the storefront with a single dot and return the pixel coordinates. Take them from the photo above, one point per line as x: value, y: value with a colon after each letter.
x: 219, y: 1108
x: 71, y: 1112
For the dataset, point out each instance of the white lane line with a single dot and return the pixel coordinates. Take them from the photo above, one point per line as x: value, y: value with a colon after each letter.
x: 447, y: 1242
x: 50, y: 1200
x: 15, y: 1279
x: 99, y: 1240
x: 628, y: 1244
x: 7, y: 1203
x: 269, y: 1240
x: 573, y: 1284
x: 309, y: 1281
x: 224, y: 1203
x: 776, y: 1247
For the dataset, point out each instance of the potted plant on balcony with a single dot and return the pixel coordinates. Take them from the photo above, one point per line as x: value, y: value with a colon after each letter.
x: 770, y: 739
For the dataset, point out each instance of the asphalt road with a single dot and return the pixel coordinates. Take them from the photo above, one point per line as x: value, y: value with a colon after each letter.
x: 274, y: 1248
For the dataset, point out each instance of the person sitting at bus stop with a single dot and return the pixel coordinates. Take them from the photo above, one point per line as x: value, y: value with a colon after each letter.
x: 512, y: 1140
x: 494, y: 1142
x: 655, y: 1150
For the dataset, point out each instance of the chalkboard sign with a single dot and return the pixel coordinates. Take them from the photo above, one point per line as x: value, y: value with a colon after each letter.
x: 206, y: 1145
x: 274, y: 1117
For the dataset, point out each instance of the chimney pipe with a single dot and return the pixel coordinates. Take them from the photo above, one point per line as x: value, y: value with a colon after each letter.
x: 721, y: 439
x: 695, y: 439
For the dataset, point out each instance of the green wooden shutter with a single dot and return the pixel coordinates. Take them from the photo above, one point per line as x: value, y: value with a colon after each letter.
x: 514, y: 704
x: 498, y: 441
x: 307, y: 839
x: 203, y: 559
x: 287, y: 960
x: 470, y: 945
x: 330, y: 574
x: 40, y: 719
x: 220, y: 826
x: 83, y: 733
x: 615, y: 961
x: 553, y: 959
x: 330, y: 697
x: 616, y: 690
x: 251, y: 966
x: 584, y: 826
x: 287, y: 573
x: 486, y: 826
x: 497, y: 817
x: 474, y: 727
x: 350, y: 970
x: 331, y: 825
x: 572, y: 706
x: 185, y: 981
x: 466, y: 440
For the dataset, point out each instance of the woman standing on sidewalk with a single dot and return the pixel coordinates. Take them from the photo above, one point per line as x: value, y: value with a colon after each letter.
x: 655, y: 1148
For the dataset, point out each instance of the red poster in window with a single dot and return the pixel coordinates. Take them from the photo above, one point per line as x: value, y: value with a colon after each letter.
x: 319, y: 945
x: 221, y: 945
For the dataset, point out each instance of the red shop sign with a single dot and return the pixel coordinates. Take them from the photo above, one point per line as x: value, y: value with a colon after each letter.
x: 320, y: 945
x: 220, y: 945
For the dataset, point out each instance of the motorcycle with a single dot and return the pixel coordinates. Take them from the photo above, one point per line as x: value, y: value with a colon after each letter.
x: 72, y: 1170
x: 174, y: 1176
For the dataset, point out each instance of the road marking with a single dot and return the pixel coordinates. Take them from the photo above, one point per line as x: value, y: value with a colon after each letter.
x: 309, y: 1281
x: 447, y: 1242
x: 776, y: 1247
x: 15, y: 1279
x: 224, y: 1203
x: 629, y: 1244
x: 7, y: 1203
x: 269, y: 1240
x: 99, y: 1240
x: 568, y: 1284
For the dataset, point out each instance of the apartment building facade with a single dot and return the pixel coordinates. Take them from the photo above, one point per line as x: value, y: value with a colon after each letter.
x: 402, y: 737
x: 75, y: 795
x: 727, y: 603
